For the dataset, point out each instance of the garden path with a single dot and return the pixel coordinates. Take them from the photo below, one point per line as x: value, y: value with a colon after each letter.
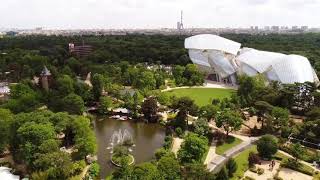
x: 176, y: 145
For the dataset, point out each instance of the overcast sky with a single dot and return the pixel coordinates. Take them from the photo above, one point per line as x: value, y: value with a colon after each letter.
x: 65, y: 14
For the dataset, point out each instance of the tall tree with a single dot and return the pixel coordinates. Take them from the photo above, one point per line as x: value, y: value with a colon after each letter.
x: 97, y: 85
x: 228, y: 120
x: 169, y: 167
x: 73, y: 104
x: 105, y: 103
x: 297, y: 151
x: 6, y: 118
x: 65, y: 85
x: 149, y: 109
x: 184, y: 106
x: 201, y: 127
x: 208, y: 111
x: 267, y: 146
x: 249, y: 88
x: 193, y: 148
x: 146, y: 171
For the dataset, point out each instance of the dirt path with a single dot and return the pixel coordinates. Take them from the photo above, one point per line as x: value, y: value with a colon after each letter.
x: 176, y: 145
x: 84, y: 172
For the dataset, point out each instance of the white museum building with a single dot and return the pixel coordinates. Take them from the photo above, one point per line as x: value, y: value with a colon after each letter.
x: 223, y: 59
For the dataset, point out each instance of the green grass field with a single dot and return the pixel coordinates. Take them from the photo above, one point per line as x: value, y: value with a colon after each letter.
x: 242, y: 162
x: 229, y: 143
x: 201, y: 96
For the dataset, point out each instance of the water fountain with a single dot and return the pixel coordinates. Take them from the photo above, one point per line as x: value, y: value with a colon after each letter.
x: 121, y: 138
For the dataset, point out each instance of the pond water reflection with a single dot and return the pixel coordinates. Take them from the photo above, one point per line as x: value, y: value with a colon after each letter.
x: 147, y: 138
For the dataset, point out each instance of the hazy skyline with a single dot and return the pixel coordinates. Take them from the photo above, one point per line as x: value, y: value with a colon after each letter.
x: 74, y: 14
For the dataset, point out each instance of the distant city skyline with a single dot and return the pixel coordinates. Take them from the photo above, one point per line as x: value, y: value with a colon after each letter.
x: 126, y: 14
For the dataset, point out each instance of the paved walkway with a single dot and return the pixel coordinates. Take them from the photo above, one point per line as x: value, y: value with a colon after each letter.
x: 219, y: 160
x: 176, y: 145
x: 215, y: 162
x: 268, y: 173
x: 284, y: 173
x: 290, y: 174
x: 211, y: 153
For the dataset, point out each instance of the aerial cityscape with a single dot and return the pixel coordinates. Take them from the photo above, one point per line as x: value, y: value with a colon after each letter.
x: 160, y: 90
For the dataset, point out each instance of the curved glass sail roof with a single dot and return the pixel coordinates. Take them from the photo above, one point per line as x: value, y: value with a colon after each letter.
x: 258, y: 60
x: 293, y: 68
x: 221, y: 63
x: 222, y: 56
x: 214, y: 42
x: 198, y: 56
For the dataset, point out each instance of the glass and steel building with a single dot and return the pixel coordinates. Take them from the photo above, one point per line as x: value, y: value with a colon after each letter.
x: 223, y: 59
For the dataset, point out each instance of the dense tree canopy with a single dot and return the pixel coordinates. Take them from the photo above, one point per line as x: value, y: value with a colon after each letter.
x: 33, y: 141
x: 193, y: 148
x: 228, y: 120
x: 6, y: 118
x: 267, y: 146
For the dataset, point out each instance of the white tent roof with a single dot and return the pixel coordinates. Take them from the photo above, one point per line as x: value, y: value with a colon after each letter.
x: 214, y: 42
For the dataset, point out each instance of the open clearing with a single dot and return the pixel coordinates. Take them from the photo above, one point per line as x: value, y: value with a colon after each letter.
x: 201, y: 96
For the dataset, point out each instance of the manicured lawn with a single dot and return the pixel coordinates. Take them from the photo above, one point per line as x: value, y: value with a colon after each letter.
x: 201, y: 96
x: 229, y: 143
x: 242, y: 162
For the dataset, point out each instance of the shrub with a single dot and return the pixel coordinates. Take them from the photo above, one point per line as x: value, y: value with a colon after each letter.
x: 248, y: 178
x: 253, y: 159
x: 260, y: 171
x: 267, y: 146
x: 253, y: 169
x: 252, y: 111
x: 179, y: 131
x: 160, y: 153
x: 223, y: 174
x: 295, y: 165
x: 168, y: 142
x: 276, y: 176
x: 286, y: 131
x: 215, y: 101
x: 94, y: 170
x: 78, y: 167
x: 231, y: 167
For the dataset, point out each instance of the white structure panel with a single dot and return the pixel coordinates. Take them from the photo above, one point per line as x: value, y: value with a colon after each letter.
x: 209, y: 41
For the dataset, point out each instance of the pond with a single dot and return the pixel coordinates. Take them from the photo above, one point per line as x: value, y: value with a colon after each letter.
x: 147, y: 138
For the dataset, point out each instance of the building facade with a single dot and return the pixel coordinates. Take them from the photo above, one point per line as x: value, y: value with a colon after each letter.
x: 223, y: 59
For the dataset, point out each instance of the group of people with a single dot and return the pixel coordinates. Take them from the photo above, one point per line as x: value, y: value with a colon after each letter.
x: 272, y: 164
